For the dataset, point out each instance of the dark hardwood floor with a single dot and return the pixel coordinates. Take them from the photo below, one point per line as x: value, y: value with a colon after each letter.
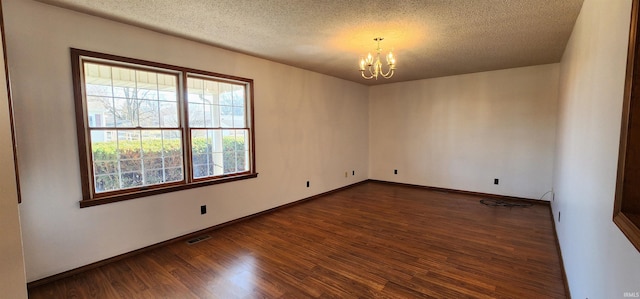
x: 373, y: 240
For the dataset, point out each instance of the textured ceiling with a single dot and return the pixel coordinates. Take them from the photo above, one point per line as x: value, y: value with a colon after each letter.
x: 430, y: 38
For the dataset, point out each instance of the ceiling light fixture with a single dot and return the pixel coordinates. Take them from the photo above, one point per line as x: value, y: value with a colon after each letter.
x: 374, y: 68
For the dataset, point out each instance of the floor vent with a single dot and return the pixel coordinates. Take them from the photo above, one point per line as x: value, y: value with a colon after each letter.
x: 198, y: 239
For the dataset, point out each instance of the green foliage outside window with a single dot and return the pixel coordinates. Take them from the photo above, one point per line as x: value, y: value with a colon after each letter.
x: 158, y: 161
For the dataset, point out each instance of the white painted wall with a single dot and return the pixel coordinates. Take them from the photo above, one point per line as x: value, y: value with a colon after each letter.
x: 461, y: 132
x: 308, y: 127
x: 12, y: 276
x: 600, y: 262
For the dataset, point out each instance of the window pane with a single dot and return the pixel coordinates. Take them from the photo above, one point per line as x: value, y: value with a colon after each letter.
x: 218, y: 152
x: 242, y: 150
x: 105, y: 161
x: 126, y: 112
x: 218, y: 168
x: 208, y: 121
x: 238, y: 95
x: 210, y: 99
x: 223, y: 104
x: 197, y: 103
x: 195, y: 96
x: 226, y: 116
x: 167, y: 87
x: 215, y: 116
x: 238, y: 117
x: 168, y: 115
x: 133, y: 158
x: 98, y: 89
x: 146, y: 85
x: 172, y: 155
x: 154, y: 148
x: 100, y: 112
x: 104, y: 183
x: 147, y: 92
x: 168, y: 97
x: 196, y: 115
x: 196, y: 89
x: 130, y: 153
x: 128, y: 98
x: 98, y: 80
x: 226, y: 94
x: 232, y: 151
x: 207, y: 147
x: 229, y: 151
x: 201, y: 153
x: 149, y: 114
x: 124, y: 82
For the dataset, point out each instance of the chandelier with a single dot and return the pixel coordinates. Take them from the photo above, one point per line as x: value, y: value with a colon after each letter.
x: 370, y: 69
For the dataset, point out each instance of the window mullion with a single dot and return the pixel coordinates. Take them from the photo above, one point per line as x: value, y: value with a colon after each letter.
x: 142, y: 157
x: 186, y: 131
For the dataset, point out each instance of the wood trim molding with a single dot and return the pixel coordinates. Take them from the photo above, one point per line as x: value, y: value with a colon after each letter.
x: 168, y: 188
x: 564, y: 273
x: 13, y: 134
x: 97, y: 264
x: 628, y: 228
x: 626, y: 209
x: 527, y: 200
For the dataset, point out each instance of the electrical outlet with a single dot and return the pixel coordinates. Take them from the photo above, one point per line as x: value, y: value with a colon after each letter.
x: 203, y: 210
x: 346, y: 174
x: 496, y: 181
x: 307, y: 184
x: 353, y: 172
x: 395, y: 171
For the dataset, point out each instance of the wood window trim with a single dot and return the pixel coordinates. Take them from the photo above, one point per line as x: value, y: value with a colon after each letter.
x: 89, y: 198
x: 10, y: 100
x: 625, y: 214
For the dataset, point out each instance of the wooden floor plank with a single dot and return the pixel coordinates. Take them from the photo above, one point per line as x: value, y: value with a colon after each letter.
x: 373, y: 240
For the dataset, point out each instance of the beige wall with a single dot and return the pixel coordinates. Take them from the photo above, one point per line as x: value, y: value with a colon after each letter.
x: 461, y: 132
x: 12, y: 276
x: 600, y: 262
x: 455, y: 132
x: 308, y: 127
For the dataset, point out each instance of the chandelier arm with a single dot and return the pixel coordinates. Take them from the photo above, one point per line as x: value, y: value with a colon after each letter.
x: 388, y: 74
x: 368, y: 70
x: 363, y: 75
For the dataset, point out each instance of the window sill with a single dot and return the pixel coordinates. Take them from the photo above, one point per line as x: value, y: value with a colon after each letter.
x: 137, y: 194
x: 627, y: 223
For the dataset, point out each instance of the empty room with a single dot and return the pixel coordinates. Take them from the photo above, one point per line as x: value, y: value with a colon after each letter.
x: 320, y: 149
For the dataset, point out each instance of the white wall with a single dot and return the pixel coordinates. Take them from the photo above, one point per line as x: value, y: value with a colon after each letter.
x: 461, y: 132
x: 308, y: 127
x: 600, y: 262
x: 12, y: 276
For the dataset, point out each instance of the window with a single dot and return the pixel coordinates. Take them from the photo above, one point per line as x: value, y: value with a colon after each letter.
x: 146, y: 128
